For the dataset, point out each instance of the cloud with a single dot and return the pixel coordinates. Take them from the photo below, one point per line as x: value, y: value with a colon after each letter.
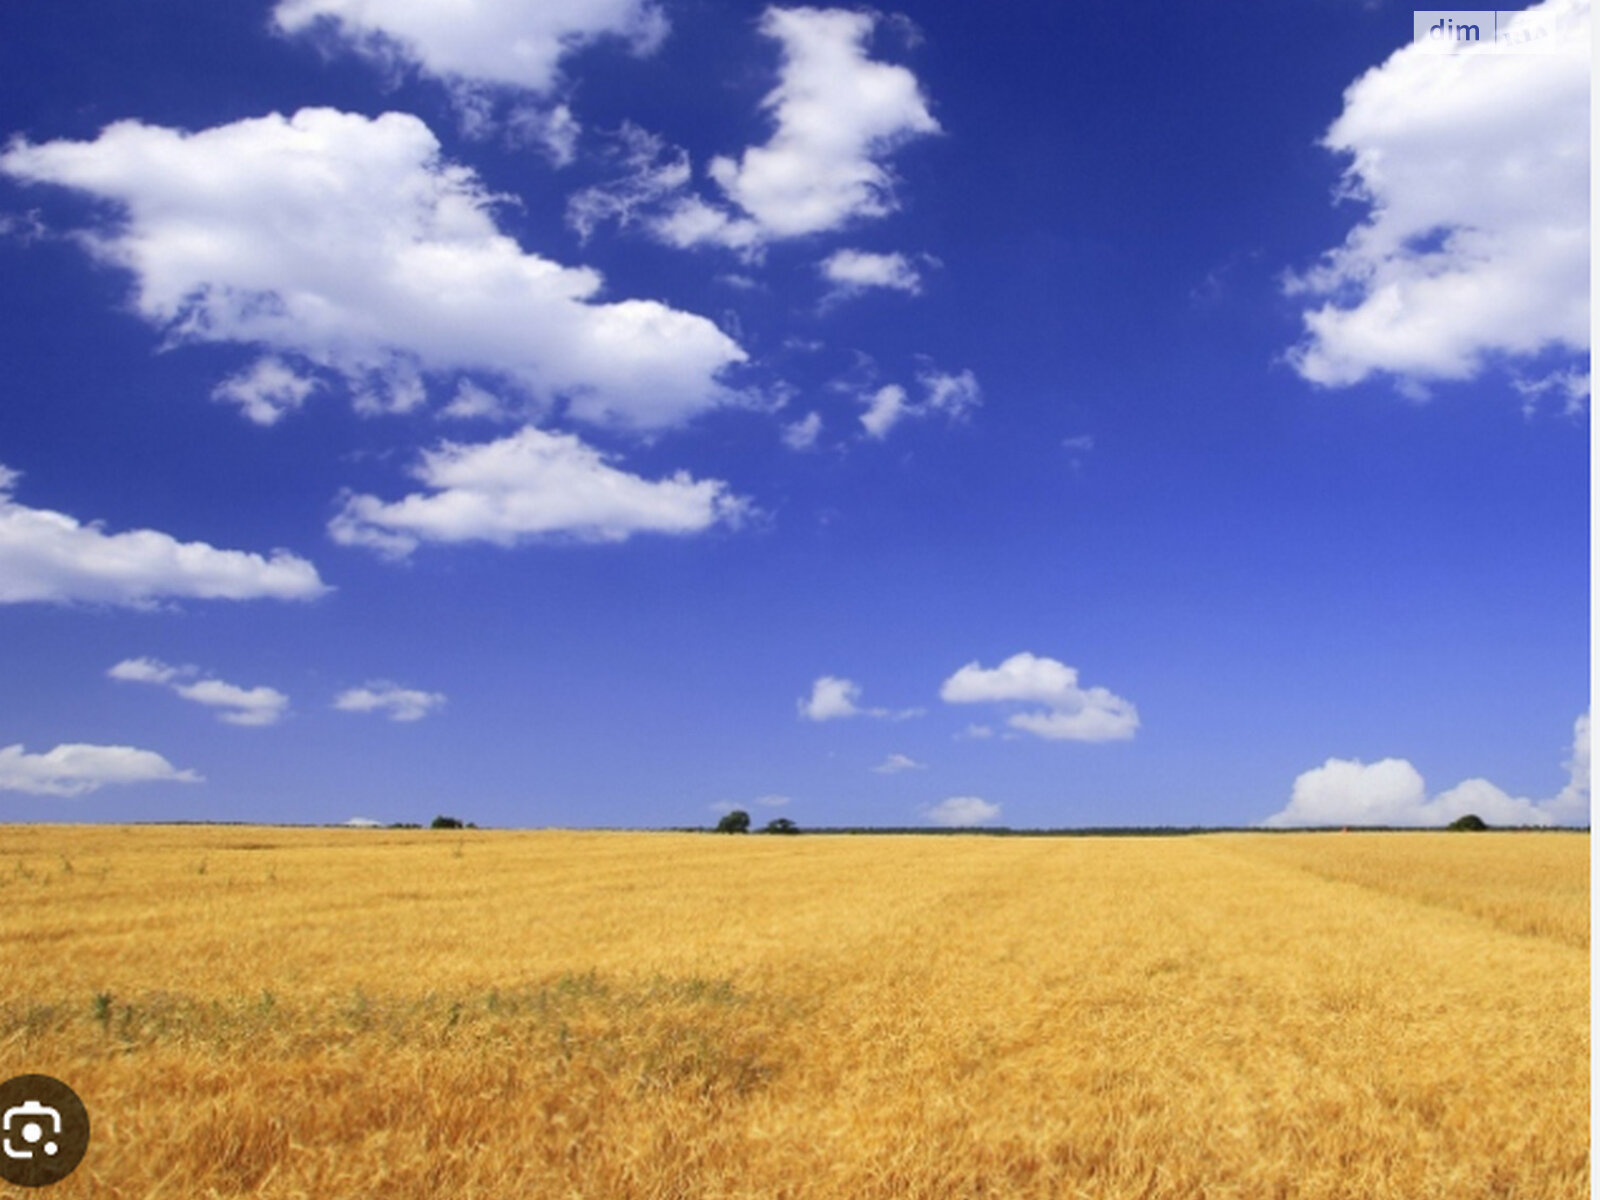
x: 897, y: 763
x: 837, y: 115
x: 1071, y: 713
x: 803, y: 434
x: 954, y: 394
x: 266, y: 390
x: 350, y: 242
x: 1570, y: 387
x: 652, y: 170
x: 473, y: 403
x: 950, y: 394
x: 1392, y: 792
x: 886, y: 407
x: 240, y: 706
x: 1475, y: 169
x: 531, y: 484
x: 960, y: 812
x: 379, y: 695
x: 75, y: 769
x: 831, y: 699
x: 772, y: 800
x: 854, y: 271
x: 510, y: 43
x: 499, y: 60
x: 51, y: 557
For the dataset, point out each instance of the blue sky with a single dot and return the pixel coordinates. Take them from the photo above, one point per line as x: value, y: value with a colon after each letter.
x: 612, y: 413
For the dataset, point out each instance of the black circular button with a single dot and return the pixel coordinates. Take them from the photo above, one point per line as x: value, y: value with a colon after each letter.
x: 44, y: 1130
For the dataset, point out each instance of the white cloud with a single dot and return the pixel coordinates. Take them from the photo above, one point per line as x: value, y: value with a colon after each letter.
x: 266, y: 390
x: 652, y: 172
x: 553, y: 130
x: 1476, y: 243
x: 1571, y: 804
x: 953, y: 394
x: 886, y: 407
x: 897, y: 763
x: 1570, y: 387
x: 49, y: 556
x: 239, y: 706
x: 831, y: 698
x: 379, y: 695
x: 803, y: 434
x: 1071, y: 713
x: 472, y: 403
x: 510, y: 43
x: 145, y: 670
x: 531, y: 484
x: 349, y: 242
x: 976, y: 733
x: 838, y: 115
x: 772, y: 800
x: 959, y: 812
x: 74, y: 769
x: 1392, y: 792
x: 854, y: 271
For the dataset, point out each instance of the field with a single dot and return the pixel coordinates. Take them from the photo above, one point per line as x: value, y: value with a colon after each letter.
x: 359, y: 1013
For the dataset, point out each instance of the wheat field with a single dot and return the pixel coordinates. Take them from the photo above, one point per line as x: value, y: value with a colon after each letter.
x: 363, y: 1013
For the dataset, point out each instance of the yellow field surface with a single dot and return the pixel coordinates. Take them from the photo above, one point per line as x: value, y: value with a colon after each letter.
x: 398, y: 1015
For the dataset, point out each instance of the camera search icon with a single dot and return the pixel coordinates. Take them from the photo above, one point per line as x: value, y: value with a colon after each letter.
x: 44, y: 1130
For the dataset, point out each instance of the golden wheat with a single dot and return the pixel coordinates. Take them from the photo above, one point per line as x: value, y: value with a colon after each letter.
x: 333, y: 1013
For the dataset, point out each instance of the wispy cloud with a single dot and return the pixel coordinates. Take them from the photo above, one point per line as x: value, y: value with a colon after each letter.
x: 235, y: 705
x: 396, y: 702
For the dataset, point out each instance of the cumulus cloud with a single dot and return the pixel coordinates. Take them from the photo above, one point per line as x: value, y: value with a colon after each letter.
x: 494, y: 57
x: 380, y: 695
x: 1475, y: 171
x: 854, y: 271
x: 837, y: 114
x: 952, y: 395
x: 959, y: 812
x: 1070, y: 712
x: 473, y: 403
x: 349, y: 242
x: 803, y: 434
x: 51, y: 557
x: 897, y: 763
x: 511, y: 43
x: 886, y: 408
x: 1392, y: 792
x: 237, y: 705
x: 531, y: 484
x: 75, y: 769
x: 266, y: 390
x: 833, y: 698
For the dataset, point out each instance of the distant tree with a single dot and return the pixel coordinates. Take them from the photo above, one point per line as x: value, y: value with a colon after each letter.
x: 781, y: 825
x: 446, y: 823
x: 1470, y: 823
x: 738, y: 821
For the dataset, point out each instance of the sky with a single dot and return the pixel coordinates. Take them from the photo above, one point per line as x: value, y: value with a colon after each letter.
x: 612, y: 413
